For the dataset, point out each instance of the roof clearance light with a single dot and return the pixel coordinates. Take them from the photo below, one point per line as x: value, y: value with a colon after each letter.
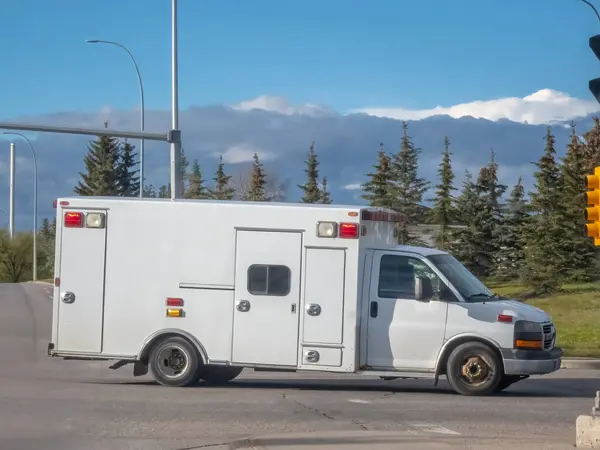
x: 73, y: 220
x: 95, y: 220
x: 327, y: 229
x: 349, y: 230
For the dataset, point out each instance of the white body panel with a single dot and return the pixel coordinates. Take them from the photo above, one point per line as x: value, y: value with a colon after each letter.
x: 260, y: 288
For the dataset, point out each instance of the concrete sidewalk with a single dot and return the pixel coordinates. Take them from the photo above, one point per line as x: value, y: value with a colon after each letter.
x: 381, y: 440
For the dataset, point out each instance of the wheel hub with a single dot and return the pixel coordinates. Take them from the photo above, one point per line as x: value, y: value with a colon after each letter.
x: 176, y: 361
x: 475, y: 370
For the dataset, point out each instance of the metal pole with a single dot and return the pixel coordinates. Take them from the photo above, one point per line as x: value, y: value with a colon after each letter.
x: 35, y: 201
x: 11, y: 195
x: 137, y: 70
x: 176, y: 179
x: 165, y: 137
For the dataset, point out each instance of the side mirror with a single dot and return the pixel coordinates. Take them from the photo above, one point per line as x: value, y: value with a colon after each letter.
x: 423, y: 289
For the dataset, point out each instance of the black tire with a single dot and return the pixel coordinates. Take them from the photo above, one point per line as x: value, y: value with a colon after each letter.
x: 174, y: 361
x: 218, y: 375
x: 474, y: 369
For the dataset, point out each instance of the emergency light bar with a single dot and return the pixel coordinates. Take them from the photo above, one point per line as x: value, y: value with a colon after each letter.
x: 380, y: 216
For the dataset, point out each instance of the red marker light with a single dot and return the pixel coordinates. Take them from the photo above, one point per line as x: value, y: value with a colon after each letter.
x: 171, y: 301
x: 505, y: 318
x: 348, y: 230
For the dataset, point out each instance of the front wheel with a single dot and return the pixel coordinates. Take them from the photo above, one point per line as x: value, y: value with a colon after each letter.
x: 474, y: 369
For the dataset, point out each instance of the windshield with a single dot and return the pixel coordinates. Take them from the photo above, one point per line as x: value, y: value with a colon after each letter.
x: 467, y: 284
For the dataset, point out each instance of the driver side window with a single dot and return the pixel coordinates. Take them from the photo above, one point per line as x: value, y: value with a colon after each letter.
x: 397, y: 274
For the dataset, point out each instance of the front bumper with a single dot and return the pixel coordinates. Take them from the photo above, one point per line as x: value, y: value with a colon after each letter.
x: 531, y: 362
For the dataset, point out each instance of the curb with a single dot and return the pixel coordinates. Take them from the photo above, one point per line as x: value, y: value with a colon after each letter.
x: 41, y: 282
x: 581, y: 363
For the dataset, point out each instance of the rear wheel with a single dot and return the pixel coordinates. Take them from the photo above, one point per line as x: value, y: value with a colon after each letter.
x: 217, y: 375
x: 474, y: 369
x: 174, y: 361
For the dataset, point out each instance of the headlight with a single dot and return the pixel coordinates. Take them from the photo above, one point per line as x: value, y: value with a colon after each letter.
x: 528, y: 335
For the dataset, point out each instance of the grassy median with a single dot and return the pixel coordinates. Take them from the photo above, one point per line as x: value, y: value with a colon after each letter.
x: 575, y: 311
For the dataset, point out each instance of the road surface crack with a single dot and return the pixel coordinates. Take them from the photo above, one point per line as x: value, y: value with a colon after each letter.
x: 323, y: 413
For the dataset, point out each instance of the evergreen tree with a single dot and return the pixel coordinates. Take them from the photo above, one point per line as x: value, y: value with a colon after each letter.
x: 408, y: 188
x: 222, y: 189
x: 580, y: 263
x: 312, y: 193
x: 101, y: 164
x: 258, y: 182
x: 543, y: 231
x: 378, y: 190
x: 443, y: 212
x: 196, y: 188
x: 325, y: 195
x: 164, y: 191
x: 511, y: 254
x: 46, y: 229
x: 150, y: 191
x: 129, y: 182
x: 592, y: 147
x: 185, y: 175
x: 488, y: 217
x: 463, y: 240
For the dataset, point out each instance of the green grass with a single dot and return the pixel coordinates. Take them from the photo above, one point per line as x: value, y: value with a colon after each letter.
x: 575, y: 311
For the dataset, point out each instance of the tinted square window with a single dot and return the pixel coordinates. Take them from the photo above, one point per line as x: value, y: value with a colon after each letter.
x: 269, y: 280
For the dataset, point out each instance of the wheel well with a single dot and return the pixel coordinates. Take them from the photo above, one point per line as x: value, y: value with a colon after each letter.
x: 443, y: 359
x: 145, y: 353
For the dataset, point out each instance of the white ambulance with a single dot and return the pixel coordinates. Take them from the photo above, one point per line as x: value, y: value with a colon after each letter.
x: 198, y: 290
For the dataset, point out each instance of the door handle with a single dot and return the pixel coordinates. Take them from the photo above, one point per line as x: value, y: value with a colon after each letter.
x: 242, y: 305
x: 313, y: 309
x: 67, y: 297
x: 374, y: 309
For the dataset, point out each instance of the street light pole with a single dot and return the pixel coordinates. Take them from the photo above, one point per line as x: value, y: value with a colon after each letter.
x: 137, y: 70
x: 35, y: 204
x: 11, y: 192
x: 176, y: 178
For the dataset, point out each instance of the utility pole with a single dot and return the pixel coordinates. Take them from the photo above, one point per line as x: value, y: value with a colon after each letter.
x: 11, y: 210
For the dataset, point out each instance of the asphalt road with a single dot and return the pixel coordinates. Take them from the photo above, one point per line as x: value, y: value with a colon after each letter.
x: 51, y: 404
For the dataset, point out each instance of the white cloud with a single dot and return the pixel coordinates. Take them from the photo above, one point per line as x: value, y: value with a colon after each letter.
x: 542, y: 107
x: 282, y: 106
x: 353, y: 187
x: 242, y: 153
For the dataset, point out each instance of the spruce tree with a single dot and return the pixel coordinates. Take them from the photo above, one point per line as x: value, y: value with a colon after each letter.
x: 408, y: 188
x: 312, y: 193
x: 129, y: 182
x: 196, y: 188
x: 463, y: 240
x: 325, y: 195
x: 258, y: 182
x: 543, y: 232
x: 511, y: 254
x: 150, y: 191
x: 46, y: 229
x: 580, y: 263
x: 222, y: 189
x: 378, y: 190
x: 488, y: 217
x: 592, y: 147
x: 164, y: 191
x: 443, y: 212
x: 101, y: 164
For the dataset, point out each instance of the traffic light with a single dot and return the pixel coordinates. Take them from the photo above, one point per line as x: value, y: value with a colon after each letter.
x: 594, y: 84
x: 592, y: 212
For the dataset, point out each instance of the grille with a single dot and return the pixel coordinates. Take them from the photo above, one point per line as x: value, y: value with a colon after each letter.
x: 549, y: 335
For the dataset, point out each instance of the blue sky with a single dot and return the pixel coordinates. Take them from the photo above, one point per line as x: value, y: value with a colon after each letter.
x: 343, y: 53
